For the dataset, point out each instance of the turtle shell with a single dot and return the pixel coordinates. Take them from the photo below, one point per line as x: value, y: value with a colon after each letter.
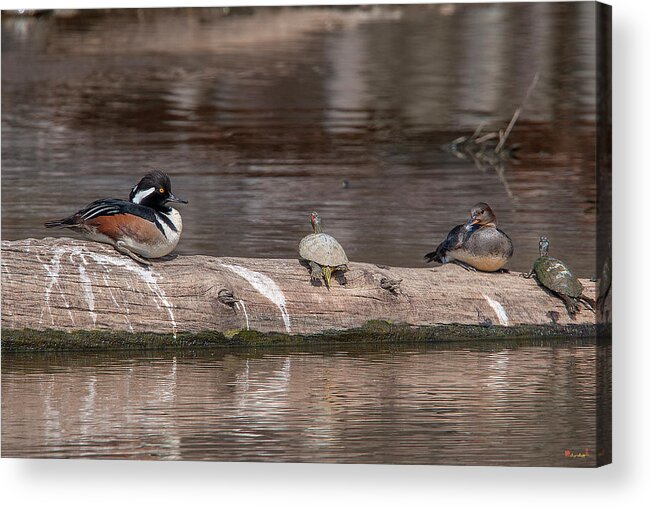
x: 556, y: 276
x: 322, y: 249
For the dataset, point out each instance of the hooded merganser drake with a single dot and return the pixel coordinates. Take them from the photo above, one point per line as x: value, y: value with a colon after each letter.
x: 142, y: 227
x: 477, y: 244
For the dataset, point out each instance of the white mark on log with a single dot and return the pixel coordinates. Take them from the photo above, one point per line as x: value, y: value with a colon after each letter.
x: 108, y: 286
x: 498, y: 309
x: 6, y: 270
x: 26, y: 245
x: 87, y: 285
x: 52, y: 271
x: 117, y: 305
x: 246, y: 315
x: 265, y: 286
x: 148, y: 276
x: 126, y: 315
x: 145, y: 274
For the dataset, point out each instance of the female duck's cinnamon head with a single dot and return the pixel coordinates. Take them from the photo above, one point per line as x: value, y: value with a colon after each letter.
x: 481, y: 214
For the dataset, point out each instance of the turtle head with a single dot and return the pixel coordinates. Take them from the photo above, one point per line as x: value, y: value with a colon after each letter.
x: 481, y: 214
x: 543, y: 246
x: 315, y: 220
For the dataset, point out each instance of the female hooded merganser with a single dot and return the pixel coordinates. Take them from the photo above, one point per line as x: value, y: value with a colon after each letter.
x: 477, y: 244
x: 143, y: 226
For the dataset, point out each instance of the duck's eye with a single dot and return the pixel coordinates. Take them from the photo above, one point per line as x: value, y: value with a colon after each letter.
x: 161, y: 190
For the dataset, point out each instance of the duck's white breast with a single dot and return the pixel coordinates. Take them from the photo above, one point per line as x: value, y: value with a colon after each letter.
x: 167, y: 242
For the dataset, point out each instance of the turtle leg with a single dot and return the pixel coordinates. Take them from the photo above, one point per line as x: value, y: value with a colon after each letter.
x: 465, y: 266
x: 528, y: 275
x: 315, y: 271
x: 571, y: 305
x: 121, y: 247
x: 338, y: 273
x: 327, y: 274
x: 589, y: 303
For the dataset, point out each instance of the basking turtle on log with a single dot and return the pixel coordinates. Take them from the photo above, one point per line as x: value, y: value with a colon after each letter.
x: 554, y: 275
x: 323, y: 252
x: 476, y: 245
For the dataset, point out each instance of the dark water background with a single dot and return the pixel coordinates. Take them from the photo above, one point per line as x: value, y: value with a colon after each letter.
x: 499, y: 403
x: 259, y: 115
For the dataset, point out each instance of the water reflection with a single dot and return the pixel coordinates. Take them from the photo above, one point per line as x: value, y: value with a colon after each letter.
x: 260, y: 114
x: 499, y: 403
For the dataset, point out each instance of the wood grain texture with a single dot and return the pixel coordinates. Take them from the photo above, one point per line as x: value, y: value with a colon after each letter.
x: 72, y: 285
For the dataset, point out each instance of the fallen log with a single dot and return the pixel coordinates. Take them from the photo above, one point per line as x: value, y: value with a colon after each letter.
x: 69, y: 293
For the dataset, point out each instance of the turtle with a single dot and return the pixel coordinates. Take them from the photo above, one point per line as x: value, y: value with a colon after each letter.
x: 323, y: 252
x: 555, y: 275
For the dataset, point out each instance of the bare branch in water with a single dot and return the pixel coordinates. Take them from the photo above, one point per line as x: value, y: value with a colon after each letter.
x: 478, y: 130
x: 485, y: 137
x: 490, y: 149
x: 516, y: 115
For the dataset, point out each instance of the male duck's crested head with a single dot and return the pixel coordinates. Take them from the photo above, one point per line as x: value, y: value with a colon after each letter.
x: 154, y: 189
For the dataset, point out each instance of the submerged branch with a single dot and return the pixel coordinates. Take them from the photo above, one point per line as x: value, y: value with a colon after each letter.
x: 490, y: 149
x: 516, y: 115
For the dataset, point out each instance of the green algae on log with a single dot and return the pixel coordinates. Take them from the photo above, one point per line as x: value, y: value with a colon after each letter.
x: 64, y: 293
x: 49, y: 340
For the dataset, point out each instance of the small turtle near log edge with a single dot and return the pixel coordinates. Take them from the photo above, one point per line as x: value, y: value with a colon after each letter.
x: 556, y: 276
x: 323, y: 252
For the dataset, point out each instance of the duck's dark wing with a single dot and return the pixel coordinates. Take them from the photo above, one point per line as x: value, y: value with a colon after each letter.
x: 103, y: 208
x: 452, y: 241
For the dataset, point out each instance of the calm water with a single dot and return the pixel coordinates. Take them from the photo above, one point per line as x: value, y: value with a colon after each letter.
x: 260, y: 115
x: 502, y: 403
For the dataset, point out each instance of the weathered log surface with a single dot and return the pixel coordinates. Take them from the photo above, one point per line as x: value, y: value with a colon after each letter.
x: 71, y: 285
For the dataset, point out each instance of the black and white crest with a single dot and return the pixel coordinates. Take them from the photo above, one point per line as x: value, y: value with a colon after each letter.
x: 153, y: 190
